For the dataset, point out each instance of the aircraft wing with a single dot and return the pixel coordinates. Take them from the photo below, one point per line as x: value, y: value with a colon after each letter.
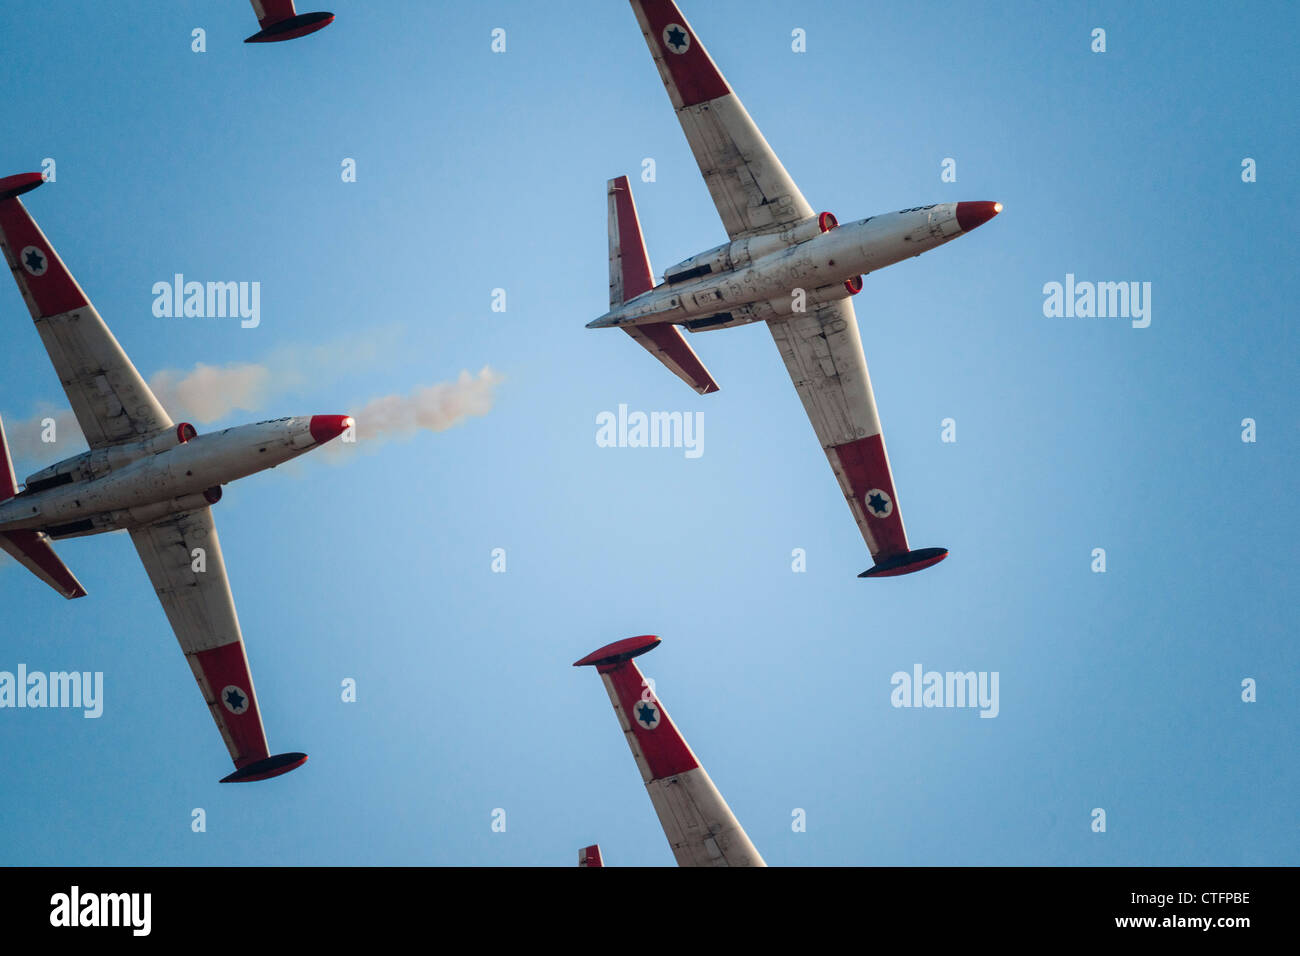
x: 822, y: 351
x: 750, y: 187
x: 273, y: 11
x: 700, y: 827
x: 110, y: 399
x: 202, y: 613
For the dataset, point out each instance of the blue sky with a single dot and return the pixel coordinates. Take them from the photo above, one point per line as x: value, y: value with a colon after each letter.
x: 478, y: 171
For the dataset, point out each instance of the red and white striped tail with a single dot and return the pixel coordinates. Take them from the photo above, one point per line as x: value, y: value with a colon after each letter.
x: 630, y: 276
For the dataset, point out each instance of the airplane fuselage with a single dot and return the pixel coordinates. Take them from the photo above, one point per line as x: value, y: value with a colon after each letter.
x: 108, y: 489
x: 774, y: 275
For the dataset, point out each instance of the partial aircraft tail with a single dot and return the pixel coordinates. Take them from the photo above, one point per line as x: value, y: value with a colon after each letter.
x: 630, y: 276
x: 32, y: 549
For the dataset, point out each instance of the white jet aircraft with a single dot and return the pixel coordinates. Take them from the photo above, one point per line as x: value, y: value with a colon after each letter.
x: 145, y: 474
x: 700, y: 827
x: 784, y: 265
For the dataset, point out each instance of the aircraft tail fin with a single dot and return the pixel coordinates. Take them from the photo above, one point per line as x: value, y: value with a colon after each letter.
x: 29, y: 548
x: 8, y: 482
x: 590, y: 856
x: 630, y: 276
x: 629, y: 263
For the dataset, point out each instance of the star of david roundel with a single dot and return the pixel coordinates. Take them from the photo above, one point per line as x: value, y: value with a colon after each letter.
x: 676, y: 38
x: 34, y: 260
x: 646, y: 713
x: 878, y: 503
x: 234, y: 699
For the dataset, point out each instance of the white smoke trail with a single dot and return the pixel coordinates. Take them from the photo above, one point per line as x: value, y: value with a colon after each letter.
x: 428, y: 408
x: 204, y: 394
x: 209, y: 393
x: 26, y: 441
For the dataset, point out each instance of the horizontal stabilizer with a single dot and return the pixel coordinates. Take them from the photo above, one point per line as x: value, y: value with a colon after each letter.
x: 33, y: 551
x: 665, y: 342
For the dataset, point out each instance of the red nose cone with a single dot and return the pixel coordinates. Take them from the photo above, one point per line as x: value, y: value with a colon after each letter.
x: 973, y: 214
x: 325, y: 427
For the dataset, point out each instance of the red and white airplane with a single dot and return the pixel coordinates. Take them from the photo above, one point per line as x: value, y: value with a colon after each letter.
x: 700, y: 827
x: 280, y: 21
x: 145, y: 474
x: 783, y: 265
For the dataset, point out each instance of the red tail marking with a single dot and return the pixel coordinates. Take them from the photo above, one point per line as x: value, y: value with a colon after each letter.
x: 635, y: 261
x: 8, y: 481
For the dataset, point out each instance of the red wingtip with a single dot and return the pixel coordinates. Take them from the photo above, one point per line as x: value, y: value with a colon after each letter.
x: 905, y: 563
x: 623, y: 650
x: 11, y: 186
x: 266, y: 768
x: 327, y: 427
x: 971, y: 215
x: 292, y: 27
